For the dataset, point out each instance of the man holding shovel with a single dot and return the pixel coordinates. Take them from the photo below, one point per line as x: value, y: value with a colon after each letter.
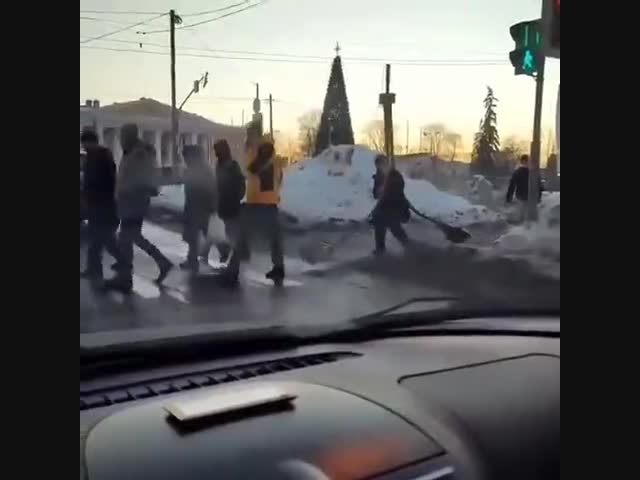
x: 392, y: 208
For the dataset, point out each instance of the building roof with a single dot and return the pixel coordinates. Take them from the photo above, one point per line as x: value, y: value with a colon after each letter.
x: 150, y: 113
x: 148, y: 107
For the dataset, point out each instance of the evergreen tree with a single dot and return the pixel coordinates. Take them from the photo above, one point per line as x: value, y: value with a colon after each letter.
x: 486, y: 141
x: 335, y: 122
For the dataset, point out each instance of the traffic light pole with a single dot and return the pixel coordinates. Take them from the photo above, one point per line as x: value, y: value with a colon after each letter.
x: 534, y: 159
x: 174, y: 111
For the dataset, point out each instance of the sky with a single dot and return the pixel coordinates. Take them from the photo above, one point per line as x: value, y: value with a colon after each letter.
x: 433, y: 33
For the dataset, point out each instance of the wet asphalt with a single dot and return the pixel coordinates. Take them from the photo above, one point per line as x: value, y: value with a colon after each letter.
x: 342, y: 280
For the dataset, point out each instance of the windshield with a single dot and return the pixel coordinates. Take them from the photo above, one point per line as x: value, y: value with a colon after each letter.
x: 278, y: 163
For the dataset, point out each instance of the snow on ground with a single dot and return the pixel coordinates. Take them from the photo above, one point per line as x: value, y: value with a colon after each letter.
x: 337, y: 185
x: 538, y: 242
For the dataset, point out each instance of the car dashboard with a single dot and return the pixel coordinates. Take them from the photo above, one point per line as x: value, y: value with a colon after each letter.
x: 426, y: 404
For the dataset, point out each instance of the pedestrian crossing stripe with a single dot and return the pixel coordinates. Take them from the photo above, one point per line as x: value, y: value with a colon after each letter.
x: 147, y: 289
x: 259, y: 279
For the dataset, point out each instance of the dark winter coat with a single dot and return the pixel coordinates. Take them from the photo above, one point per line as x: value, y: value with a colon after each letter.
x: 99, y: 185
x: 519, y: 184
x: 392, y: 205
x: 138, y: 181
x: 231, y: 188
x: 378, y: 182
x: 200, y: 197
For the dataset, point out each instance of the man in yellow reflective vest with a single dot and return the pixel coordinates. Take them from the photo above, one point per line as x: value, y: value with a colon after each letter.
x: 260, y: 212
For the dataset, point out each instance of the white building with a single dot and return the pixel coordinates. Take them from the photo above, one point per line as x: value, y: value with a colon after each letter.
x: 154, y: 122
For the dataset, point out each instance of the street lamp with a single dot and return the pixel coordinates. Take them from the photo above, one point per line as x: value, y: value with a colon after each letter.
x: 196, y: 88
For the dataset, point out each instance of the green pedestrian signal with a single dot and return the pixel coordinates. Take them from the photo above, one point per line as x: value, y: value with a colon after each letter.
x: 528, y: 64
x: 528, y: 39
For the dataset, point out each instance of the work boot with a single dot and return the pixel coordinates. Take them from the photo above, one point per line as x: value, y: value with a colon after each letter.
x: 227, y: 279
x: 118, y: 285
x: 276, y: 274
x: 165, y: 268
x: 225, y: 252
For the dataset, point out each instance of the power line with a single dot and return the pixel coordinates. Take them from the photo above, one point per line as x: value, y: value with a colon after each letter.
x: 105, y: 20
x: 217, y: 10
x: 117, y: 12
x: 195, y: 14
x: 261, y: 2
x: 304, y: 57
x: 102, y: 20
x: 425, y: 63
x: 99, y: 37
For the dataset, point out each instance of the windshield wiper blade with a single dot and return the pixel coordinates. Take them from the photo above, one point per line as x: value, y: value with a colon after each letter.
x: 413, y: 305
x: 440, y: 310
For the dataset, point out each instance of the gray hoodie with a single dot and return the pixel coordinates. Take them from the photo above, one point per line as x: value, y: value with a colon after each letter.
x: 138, y: 181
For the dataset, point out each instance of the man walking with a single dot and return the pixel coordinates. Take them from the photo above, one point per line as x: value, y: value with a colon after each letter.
x: 199, y: 204
x: 98, y: 192
x: 136, y: 184
x: 519, y: 185
x: 260, y: 212
x: 231, y: 191
x: 392, y: 208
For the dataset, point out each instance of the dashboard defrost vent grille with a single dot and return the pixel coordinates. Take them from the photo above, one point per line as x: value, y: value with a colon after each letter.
x: 136, y: 391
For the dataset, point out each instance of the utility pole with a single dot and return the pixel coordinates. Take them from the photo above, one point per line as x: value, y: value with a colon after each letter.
x: 387, y: 100
x: 174, y: 111
x: 534, y: 159
x: 243, y: 117
x: 271, y: 117
x: 406, y: 150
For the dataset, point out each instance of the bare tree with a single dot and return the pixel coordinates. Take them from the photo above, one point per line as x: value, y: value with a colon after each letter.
x: 548, y: 142
x: 373, y: 135
x: 453, y: 140
x: 434, y: 135
x: 515, y: 146
x: 308, y: 124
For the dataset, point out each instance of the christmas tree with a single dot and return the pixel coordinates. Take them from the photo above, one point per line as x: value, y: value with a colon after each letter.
x: 487, y: 141
x: 335, y: 122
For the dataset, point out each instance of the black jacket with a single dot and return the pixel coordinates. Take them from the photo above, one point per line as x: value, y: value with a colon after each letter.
x: 378, y: 181
x: 393, y: 204
x: 231, y: 188
x: 99, y: 184
x: 519, y: 185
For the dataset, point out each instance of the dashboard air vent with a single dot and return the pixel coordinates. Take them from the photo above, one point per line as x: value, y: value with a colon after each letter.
x: 131, y: 392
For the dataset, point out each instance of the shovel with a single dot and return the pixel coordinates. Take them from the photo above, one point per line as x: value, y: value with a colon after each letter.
x: 319, y: 252
x: 453, y: 234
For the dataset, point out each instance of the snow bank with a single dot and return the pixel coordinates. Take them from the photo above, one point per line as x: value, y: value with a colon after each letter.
x: 541, y: 238
x: 336, y: 185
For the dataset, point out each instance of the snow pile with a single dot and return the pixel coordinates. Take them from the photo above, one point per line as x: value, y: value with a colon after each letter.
x: 336, y: 185
x: 171, y: 197
x: 481, y: 191
x: 539, y: 239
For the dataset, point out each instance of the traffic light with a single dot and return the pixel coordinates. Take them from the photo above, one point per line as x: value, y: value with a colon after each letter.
x: 528, y: 39
x: 551, y: 17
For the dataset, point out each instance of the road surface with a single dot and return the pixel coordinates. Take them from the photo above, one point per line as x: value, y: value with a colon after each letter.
x: 350, y: 283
